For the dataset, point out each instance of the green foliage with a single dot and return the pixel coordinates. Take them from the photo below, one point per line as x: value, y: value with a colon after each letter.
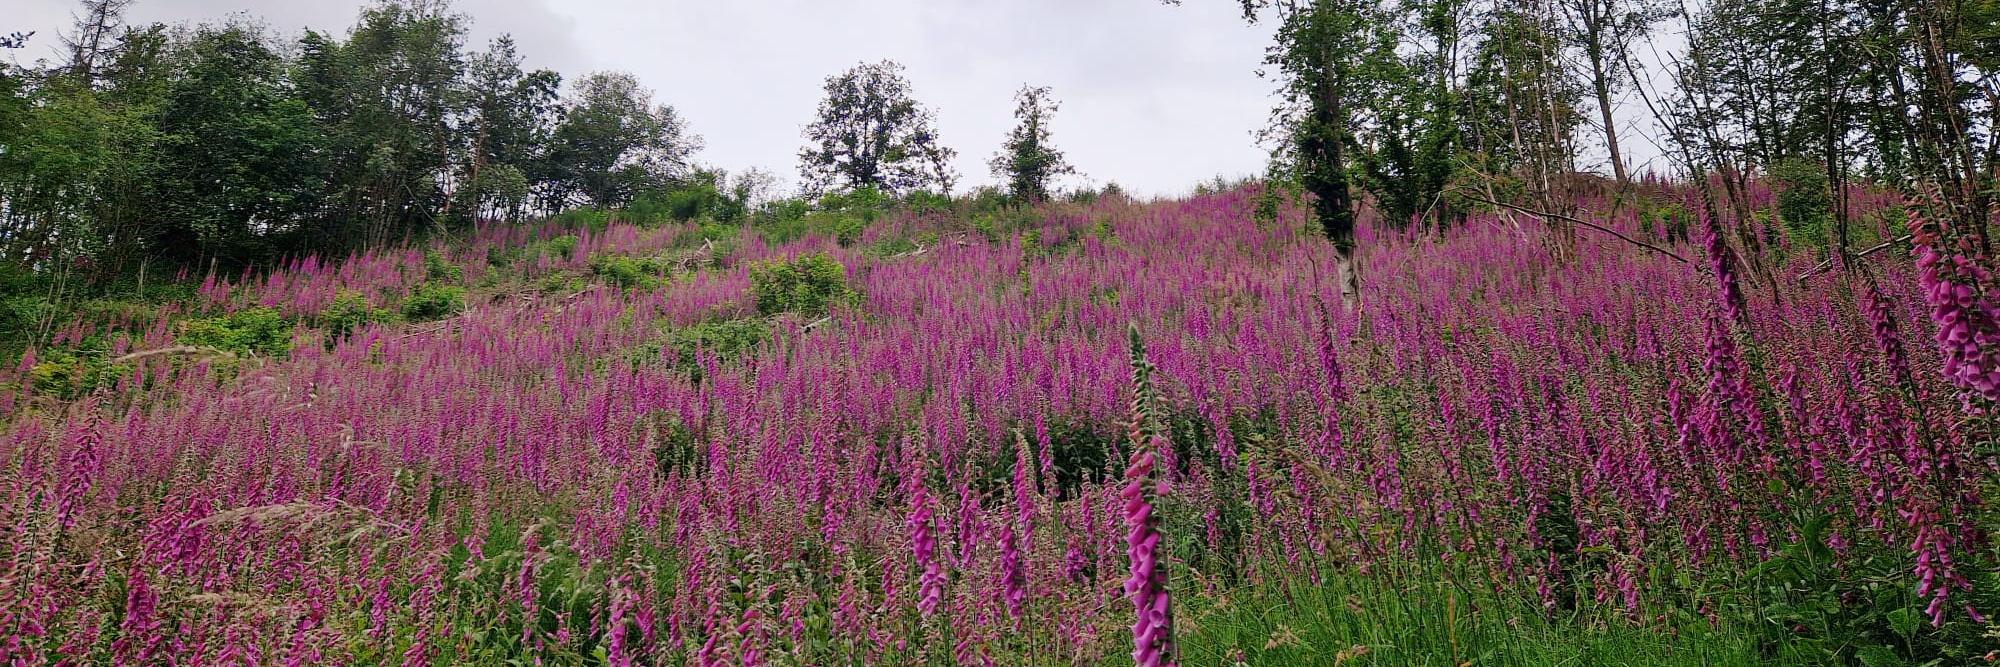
x: 74, y: 373
x: 593, y: 219
x: 1805, y: 201
x: 1859, y: 607
x: 630, y: 272
x: 1425, y: 613
x: 807, y: 285
x: 238, y: 154
x: 433, y: 301
x: 260, y: 331
x: 615, y: 143
x: 348, y: 312
x: 675, y: 446
x: 562, y: 246
x: 438, y: 268
x: 890, y: 247
x: 684, y: 347
x: 24, y: 302
x: 841, y: 216
x: 727, y: 339
x: 922, y: 202
x: 870, y: 133
x: 701, y: 197
x: 1027, y: 162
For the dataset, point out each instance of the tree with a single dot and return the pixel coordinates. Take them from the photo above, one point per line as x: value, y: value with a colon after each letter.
x: 1027, y: 161
x: 869, y: 133
x: 613, y: 143
x: 1604, y: 32
x: 1321, y: 57
x: 513, y: 116
x: 97, y: 25
x: 387, y: 99
x: 1408, y: 146
x: 236, y: 170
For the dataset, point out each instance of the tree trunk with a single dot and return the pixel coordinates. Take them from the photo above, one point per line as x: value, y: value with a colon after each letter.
x: 1600, y: 84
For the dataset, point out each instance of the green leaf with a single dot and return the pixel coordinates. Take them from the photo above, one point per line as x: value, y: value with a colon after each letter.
x: 1903, y: 621
x: 1879, y: 656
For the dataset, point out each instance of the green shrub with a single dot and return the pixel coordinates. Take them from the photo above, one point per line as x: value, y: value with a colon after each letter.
x: 629, y: 272
x: 593, y: 219
x: 891, y: 247
x: 438, y: 268
x: 562, y: 246
x: 69, y: 374
x: 705, y: 232
x: 675, y: 447
x: 727, y: 339
x: 806, y: 285
x: 262, y: 331
x: 925, y: 201
x: 23, y: 302
x: 348, y: 312
x: 1805, y: 201
x: 431, y: 301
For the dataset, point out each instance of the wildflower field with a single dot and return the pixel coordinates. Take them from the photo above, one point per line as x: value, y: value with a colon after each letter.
x: 1085, y: 433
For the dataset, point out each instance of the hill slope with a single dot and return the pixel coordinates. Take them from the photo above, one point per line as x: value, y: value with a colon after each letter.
x: 1500, y: 456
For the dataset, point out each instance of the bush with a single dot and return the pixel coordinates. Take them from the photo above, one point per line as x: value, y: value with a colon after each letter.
x: 893, y: 246
x: 348, y: 312
x: 69, y: 374
x: 23, y: 302
x: 924, y: 201
x: 437, y: 267
x: 726, y: 340
x: 562, y: 246
x: 262, y: 331
x: 593, y: 219
x: 1805, y: 201
x: 629, y: 272
x: 806, y: 285
x: 431, y: 301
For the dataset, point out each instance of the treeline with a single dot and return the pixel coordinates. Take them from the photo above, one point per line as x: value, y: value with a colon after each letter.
x: 1432, y: 108
x: 222, y: 145
x: 178, y: 150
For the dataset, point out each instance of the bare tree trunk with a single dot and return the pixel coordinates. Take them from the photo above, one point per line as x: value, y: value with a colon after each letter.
x: 1601, y: 85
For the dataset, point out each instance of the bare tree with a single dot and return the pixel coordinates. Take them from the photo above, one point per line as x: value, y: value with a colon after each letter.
x: 97, y: 23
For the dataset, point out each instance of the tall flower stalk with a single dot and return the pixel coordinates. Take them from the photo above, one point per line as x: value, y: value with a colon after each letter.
x: 1146, y: 587
x: 1957, y: 286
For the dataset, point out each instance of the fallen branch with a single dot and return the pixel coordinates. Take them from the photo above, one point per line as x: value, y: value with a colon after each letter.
x: 441, y: 327
x: 1592, y: 225
x: 1827, y: 265
x: 177, y: 349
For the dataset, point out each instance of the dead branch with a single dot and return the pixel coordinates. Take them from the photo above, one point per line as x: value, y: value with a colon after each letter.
x: 1591, y: 225
x: 1827, y: 265
x: 177, y: 349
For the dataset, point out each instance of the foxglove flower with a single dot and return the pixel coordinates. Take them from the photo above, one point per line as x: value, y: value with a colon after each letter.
x: 1958, y: 289
x: 1146, y: 587
x: 923, y: 545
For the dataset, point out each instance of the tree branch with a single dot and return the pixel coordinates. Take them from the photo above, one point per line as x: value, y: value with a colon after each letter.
x: 1823, y: 267
x: 1592, y: 225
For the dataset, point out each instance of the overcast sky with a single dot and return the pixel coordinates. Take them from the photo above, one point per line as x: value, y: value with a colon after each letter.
x: 1154, y: 97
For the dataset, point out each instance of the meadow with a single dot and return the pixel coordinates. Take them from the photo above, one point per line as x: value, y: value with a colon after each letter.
x: 945, y: 436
